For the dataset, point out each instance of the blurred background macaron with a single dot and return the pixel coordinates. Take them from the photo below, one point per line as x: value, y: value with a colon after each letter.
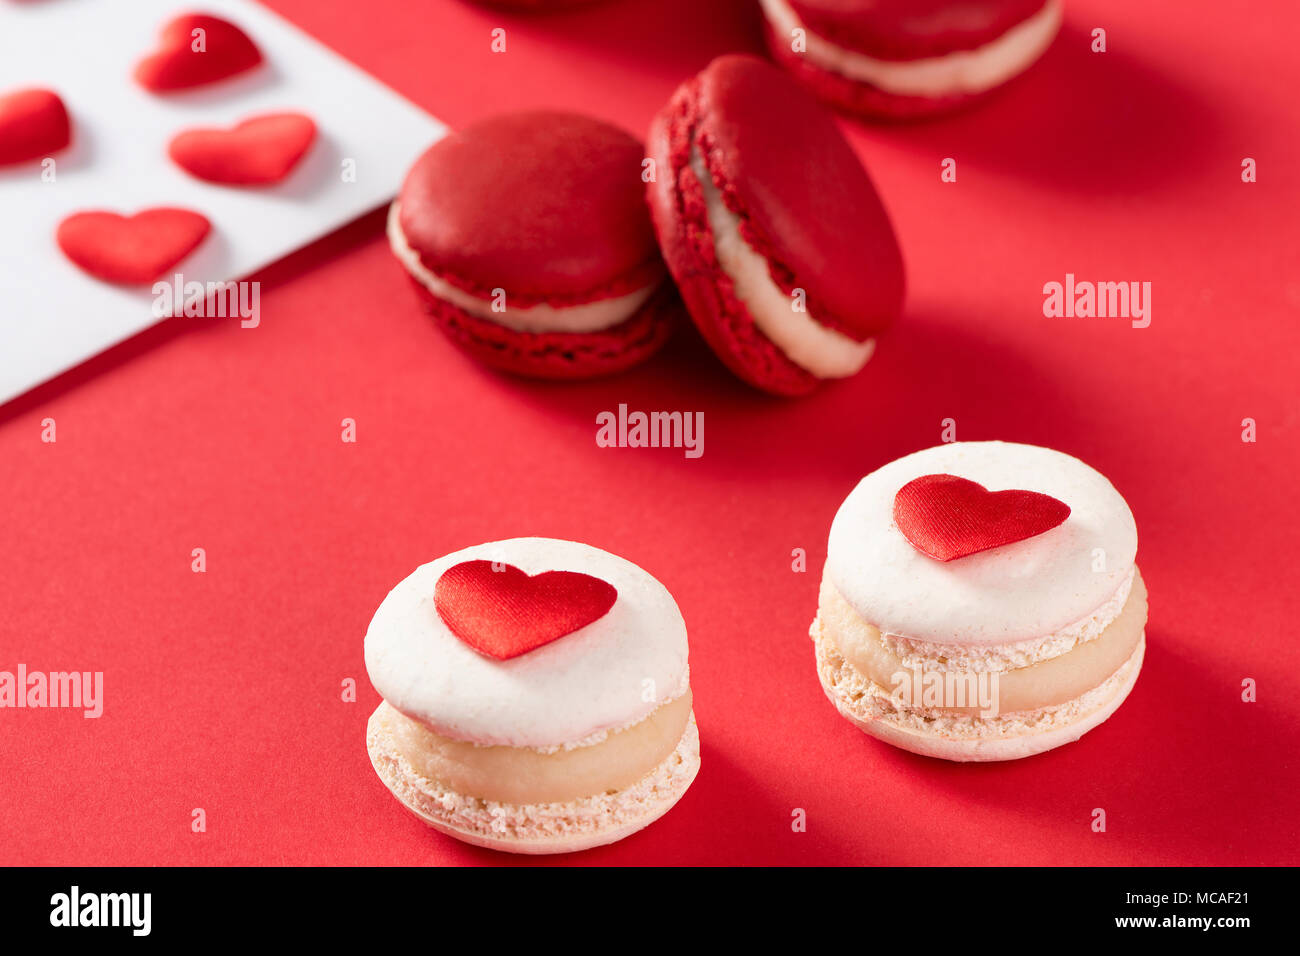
x: 898, y: 59
x: 771, y: 227
x: 535, y: 6
x: 528, y: 239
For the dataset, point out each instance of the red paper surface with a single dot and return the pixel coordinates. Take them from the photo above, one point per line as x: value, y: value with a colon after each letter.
x: 223, y: 688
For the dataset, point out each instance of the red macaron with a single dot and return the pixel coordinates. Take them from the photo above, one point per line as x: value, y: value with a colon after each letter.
x: 901, y: 59
x: 771, y: 227
x: 528, y: 238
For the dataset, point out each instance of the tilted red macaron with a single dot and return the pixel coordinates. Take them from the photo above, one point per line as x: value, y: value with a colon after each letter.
x: 779, y: 244
x: 898, y: 59
x: 528, y: 238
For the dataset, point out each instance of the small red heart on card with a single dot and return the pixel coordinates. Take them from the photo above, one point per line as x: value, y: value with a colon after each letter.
x: 947, y: 517
x: 134, y: 249
x: 259, y: 151
x: 196, y: 49
x: 502, y: 612
x: 33, y: 124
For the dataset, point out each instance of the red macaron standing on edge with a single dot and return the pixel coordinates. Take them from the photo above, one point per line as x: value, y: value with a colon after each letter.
x: 903, y: 59
x: 528, y: 238
x: 771, y: 227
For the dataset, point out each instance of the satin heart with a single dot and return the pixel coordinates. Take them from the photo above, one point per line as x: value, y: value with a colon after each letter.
x: 33, y: 124
x: 259, y: 151
x: 196, y: 49
x: 135, y: 249
x: 505, y: 613
x: 947, y: 517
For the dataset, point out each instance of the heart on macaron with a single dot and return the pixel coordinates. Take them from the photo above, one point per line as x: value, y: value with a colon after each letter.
x: 947, y: 517
x: 131, y: 249
x: 196, y: 49
x: 33, y: 124
x: 502, y: 613
x: 256, y: 152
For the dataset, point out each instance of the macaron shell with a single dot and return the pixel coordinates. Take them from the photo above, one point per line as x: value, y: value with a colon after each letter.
x: 861, y: 99
x: 803, y: 196
x: 1018, y: 592
x: 559, y: 355
x: 546, y: 205
x: 535, y: 6
x: 603, y: 677
x: 912, y: 29
x: 535, y: 829
x: 678, y: 209
x: 856, y: 700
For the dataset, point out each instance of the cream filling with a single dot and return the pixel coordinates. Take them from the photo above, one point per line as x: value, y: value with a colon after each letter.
x: 864, y: 702
x: 538, y: 827
x: 807, y: 343
x: 1001, y: 657
x: 588, y: 317
x: 522, y: 775
x: 1048, y: 683
x: 966, y: 71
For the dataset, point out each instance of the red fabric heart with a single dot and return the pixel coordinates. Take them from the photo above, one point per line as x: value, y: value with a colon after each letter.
x: 33, y: 124
x: 947, y: 517
x: 256, y: 152
x: 225, y: 51
x: 135, y: 249
x: 506, y: 613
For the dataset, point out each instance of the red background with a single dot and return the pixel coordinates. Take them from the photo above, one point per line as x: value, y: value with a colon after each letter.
x: 223, y: 689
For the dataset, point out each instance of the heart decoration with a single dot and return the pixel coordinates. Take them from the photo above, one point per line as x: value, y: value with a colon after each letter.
x: 256, y: 152
x: 196, y: 49
x: 135, y: 249
x: 947, y: 517
x: 33, y: 124
x: 501, y: 612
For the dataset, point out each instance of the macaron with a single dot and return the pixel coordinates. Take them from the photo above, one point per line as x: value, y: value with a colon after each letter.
x: 536, y: 696
x: 535, y: 6
x: 899, y: 59
x: 783, y: 253
x: 980, y: 602
x: 527, y: 238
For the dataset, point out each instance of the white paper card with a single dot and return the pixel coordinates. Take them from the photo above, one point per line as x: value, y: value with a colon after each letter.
x: 52, y: 315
